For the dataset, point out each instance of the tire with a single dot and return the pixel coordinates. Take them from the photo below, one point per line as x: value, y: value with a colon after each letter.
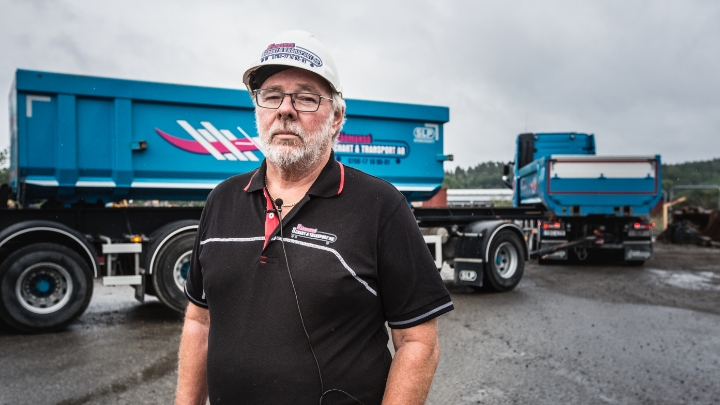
x: 635, y: 263
x: 506, y: 262
x: 170, y: 273
x: 44, y: 287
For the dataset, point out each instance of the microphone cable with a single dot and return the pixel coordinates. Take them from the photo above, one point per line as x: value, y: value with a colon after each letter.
x: 278, y: 207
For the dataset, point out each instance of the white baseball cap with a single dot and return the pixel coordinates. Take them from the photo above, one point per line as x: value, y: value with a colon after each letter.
x: 298, y: 49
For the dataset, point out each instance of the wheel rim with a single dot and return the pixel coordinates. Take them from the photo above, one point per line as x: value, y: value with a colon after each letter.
x: 180, y: 271
x: 506, y: 260
x: 44, y: 288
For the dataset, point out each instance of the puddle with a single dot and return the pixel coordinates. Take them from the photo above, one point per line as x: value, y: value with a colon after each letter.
x: 698, y: 281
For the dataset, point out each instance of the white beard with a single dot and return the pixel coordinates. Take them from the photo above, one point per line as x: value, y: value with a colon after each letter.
x: 299, y: 154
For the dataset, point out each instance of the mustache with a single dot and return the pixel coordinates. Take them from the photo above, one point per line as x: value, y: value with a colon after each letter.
x: 284, y: 127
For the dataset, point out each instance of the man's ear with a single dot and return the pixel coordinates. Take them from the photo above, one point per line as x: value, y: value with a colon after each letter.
x: 338, y: 117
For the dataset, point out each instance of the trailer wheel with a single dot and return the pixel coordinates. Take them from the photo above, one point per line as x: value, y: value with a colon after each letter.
x: 44, y: 287
x: 173, y: 264
x: 506, y: 262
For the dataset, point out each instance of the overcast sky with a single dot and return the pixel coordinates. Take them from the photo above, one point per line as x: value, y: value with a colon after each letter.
x: 643, y: 76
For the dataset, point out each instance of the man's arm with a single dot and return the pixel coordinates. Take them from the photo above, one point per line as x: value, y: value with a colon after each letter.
x: 192, y: 379
x: 416, y: 356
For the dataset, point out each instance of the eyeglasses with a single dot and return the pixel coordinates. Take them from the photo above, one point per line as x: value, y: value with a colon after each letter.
x: 301, y: 102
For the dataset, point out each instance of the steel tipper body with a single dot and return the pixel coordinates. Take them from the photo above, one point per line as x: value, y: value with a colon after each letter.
x: 80, y: 143
x: 76, y: 137
x: 596, y: 202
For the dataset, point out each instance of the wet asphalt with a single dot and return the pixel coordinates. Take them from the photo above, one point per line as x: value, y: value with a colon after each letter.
x: 572, y: 333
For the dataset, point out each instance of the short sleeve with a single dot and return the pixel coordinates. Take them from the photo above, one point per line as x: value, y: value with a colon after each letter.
x: 411, y: 288
x: 194, y: 283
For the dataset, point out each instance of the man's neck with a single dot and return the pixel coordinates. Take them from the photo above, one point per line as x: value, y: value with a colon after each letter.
x: 290, y: 184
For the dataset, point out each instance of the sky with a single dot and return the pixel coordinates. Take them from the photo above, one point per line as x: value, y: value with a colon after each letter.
x: 643, y: 76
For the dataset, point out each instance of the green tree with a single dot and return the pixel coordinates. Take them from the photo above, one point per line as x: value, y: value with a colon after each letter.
x: 484, y: 175
x: 4, y: 170
x: 693, y: 173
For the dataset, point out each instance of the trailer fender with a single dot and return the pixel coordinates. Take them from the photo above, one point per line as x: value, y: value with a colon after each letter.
x: 471, y: 252
x: 510, y: 226
x: 36, y: 231
x: 168, y: 261
x: 485, y: 232
x: 474, y: 266
x: 163, y: 235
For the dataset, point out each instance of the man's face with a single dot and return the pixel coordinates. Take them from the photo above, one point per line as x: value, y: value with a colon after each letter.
x: 295, y: 139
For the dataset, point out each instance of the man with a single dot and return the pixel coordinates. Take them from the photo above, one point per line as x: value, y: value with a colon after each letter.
x: 298, y: 265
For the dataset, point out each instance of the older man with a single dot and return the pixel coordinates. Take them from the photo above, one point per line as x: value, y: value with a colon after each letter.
x: 298, y: 265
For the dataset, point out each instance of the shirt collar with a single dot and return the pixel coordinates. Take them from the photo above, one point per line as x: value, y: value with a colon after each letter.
x: 329, y: 183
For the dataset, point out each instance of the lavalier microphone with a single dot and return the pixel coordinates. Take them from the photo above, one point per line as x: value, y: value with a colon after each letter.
x: 277, y: 206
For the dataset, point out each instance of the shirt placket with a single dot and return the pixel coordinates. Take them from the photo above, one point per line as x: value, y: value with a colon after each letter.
x: 271, y: 218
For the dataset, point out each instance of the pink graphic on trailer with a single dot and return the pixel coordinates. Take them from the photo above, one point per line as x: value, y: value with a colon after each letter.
x: 222, y: 144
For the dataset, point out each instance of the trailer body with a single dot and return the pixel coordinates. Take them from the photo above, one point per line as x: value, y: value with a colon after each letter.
x: 98, y: 139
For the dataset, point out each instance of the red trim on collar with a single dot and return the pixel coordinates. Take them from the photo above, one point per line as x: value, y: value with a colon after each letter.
x: 342, y: 177
x: 271, y: 219
x: 251, y: 179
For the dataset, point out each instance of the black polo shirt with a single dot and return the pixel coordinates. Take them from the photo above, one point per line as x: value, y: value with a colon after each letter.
x: 357, y: 260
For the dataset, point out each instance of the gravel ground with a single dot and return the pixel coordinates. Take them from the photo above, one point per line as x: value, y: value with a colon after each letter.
x: 582, y: 334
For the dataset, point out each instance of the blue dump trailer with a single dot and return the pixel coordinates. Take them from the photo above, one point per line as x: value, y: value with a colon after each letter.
x: 82, y: 147
x: 86, y: 139
x: 599, y: 205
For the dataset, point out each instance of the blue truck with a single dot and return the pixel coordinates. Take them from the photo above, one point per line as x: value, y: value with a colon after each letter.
x: 599, y: 204
x: 571, y: 205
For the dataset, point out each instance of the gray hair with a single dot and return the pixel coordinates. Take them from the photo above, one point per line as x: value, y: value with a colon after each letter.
x: 338, y: 103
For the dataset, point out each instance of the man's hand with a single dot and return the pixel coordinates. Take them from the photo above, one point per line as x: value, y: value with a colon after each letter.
x: 192, y: 379
x: 416, y: 356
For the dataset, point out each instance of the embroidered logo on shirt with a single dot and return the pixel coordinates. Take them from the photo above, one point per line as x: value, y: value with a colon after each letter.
x: 312, y: 233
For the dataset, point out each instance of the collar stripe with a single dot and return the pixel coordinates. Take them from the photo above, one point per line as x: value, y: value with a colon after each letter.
x: 251, y: 179
x: 342, y: 177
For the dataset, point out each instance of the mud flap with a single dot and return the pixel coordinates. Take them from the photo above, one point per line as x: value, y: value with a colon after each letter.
x: 469, y: 272
x: 140, y: 291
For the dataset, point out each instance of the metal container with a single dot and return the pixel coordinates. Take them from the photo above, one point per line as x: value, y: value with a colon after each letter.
x: 98, y: 139
x: 569, y: 180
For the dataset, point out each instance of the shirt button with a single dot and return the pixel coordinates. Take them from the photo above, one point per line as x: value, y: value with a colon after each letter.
x: 271, y: 215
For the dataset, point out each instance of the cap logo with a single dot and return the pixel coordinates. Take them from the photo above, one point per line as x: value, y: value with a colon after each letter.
x: 290, y: 51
